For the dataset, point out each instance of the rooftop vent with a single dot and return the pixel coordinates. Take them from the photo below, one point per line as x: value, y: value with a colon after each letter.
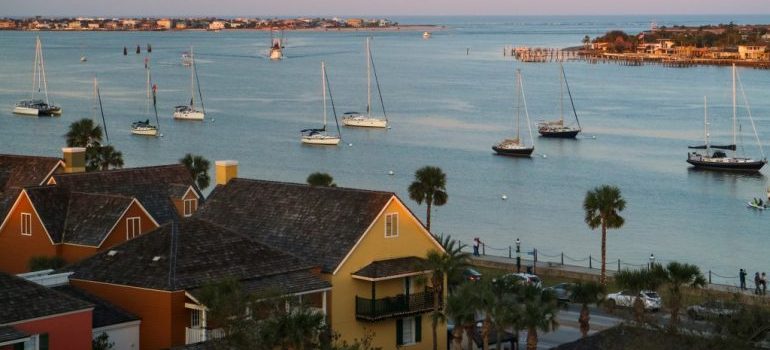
x: 156, y: 258
x: 112, y: 253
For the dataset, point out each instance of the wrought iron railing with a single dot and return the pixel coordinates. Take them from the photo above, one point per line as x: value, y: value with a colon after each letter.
x: 391, y: 307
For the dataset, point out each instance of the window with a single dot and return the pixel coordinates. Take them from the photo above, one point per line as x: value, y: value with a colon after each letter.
x: 391, y: 225
x: 133, y: 227
x: 195, y: 318
x: 408, y: 330
x: 26, y: 224
x: 189, y: 207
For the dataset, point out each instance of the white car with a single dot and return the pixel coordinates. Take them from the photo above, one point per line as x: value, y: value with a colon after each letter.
x: 524, y: 278
x: 652, y: 301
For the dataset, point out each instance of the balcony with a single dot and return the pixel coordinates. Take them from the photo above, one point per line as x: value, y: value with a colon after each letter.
x: 197, y: 334
x: 393, y: 307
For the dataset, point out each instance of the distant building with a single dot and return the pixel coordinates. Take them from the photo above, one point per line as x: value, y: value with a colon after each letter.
x: 180, y: 25
x: 94, y: 25
x: 752, y: 52
x: 217, y: 25
x: 7, y: 24
x: 355, y: 22
x: 75, y: 25
x: 165, y: 23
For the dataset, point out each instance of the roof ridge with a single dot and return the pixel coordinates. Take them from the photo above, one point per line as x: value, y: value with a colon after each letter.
x: 347, y: 189
x: 27, y: 156
x: 112, y: 171
x: 104, y: 194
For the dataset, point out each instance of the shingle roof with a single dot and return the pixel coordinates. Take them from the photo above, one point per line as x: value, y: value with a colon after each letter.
x: 22, y: 300
x: 76, y: 217
x: 392, y: 267
x: 105, y: 313
x: 321, y: 224
x: 205, y: 252
x: 8, y: 333
x: 153, y: 186
x: 17, y: 172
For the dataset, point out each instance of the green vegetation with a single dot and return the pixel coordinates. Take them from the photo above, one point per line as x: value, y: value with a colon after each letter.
x: 102, y: 342
x: 676, y: 276
x: 602, y: 207
x: 429, y: 187
x: 586, y: 293
x: 198, y: 168
x: 722, y: 35
x: 321, y: 180
x: 84, y: 133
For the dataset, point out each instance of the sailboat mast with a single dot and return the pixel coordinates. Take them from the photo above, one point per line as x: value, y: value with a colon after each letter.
x: 368, y: 80
x: 147, y: 71
x: 323, y: 89
x: 42, y: 69
x: 706, y: 123
x: 735, y: 109
x: 561, y: 95
x: 518, y: 103
x: 101, y: 109
x: 526, y: 112
x: 192, y: 79
x: 34, y: 68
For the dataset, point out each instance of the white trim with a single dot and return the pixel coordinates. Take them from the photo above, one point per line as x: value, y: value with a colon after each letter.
x: 49, y: 176
x: 124, y: 285
x: 40, y: 220
x: 107, y: 328
x: 195, y: 306
x: 312, y: 291
x: 15, y: 341
x: 193, y: 202
x: 130, y: 227
x: 88, y: 309
x: 25, y: 230
x: 192, y: 298
x: 368, y: 229
x: 122, y: 216
x: 377, y: 279
x: 387, y: 217
x: 190, y: 188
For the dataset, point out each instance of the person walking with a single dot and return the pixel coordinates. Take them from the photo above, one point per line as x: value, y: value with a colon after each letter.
x: 476, y: 244
x: 757, y: 283
x: 742, y: 275
x: 763, y: 280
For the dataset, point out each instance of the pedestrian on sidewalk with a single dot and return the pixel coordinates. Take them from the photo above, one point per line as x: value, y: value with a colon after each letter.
x: 757, y: 283
x: 476, y: 244
x: 763, y: 280
x: 742, y: 275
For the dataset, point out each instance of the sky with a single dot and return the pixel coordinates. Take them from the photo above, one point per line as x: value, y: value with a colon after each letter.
x: 265, y: 8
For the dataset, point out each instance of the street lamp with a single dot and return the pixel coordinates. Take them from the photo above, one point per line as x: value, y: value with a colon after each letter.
x: 518, y: 255
x: 652, y: 260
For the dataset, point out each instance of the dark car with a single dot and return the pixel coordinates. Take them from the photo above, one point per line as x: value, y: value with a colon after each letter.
x: 563, y: 292
x: 472, y: 275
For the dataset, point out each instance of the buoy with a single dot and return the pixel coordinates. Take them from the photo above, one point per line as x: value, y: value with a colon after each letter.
x: 389, y: 127
x: 161, y: 135
x: 391, y: 172
x: 593, y: 137
x: 545, y: 156
x: 504, y: 197
x: 350, y: 145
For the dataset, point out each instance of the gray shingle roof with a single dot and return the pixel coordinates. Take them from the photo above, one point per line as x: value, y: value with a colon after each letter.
x: 321, y: 224
x: 153, y: 186
x: 8, y: 333
x: 23, y: 300
x: 392, y: 267
x: 205, y: 252
x: 105, y: 313
x: 17, y: 172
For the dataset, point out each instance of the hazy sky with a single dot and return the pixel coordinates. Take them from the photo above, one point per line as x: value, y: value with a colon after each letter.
x: 377, y: 7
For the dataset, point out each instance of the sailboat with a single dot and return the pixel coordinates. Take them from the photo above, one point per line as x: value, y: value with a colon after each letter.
x: 143, y: 127
x: 276, y: 46
x: 358, y: 119
x: 556, y: 128
x: 98, y: 101
x: 188, y: 112
x: 718, y: 160
x: 320, y: 136
x: 515, y: 147
x: 38, y: 106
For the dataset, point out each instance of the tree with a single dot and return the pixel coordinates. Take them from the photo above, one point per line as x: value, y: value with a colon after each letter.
x: 429, y: 187
x: 538, y: 313
x: 198, y: 168
x: 102, y: 342
x: 602, y: 206
x: 84, y: 133
x: 675, y: 276
x: 586, y: 41
x: 461, y: 309
x: 103, y: 158
x: 504, y: 311
x: 586, y: 293
x: 454, y: 249
x: 320, y: 180
x: 442, y: 264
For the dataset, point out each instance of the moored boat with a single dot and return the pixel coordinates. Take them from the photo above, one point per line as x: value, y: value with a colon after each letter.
x: 189, y: 112
x: 515, y: 147
x: 320, y: 136
x: 36, y: 106
x: 367, y: 120
x: 557, y: 128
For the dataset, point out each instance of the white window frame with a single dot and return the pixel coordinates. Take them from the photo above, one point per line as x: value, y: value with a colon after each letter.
x: 187, y: 211
x: 412, y: 330
x: 389, y: 218
x: 26, y: 224
x: 131, y: 230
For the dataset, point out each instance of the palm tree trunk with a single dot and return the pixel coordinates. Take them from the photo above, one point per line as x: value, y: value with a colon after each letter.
x: 532, y: 338
x: 427, y: 216
x: 434, y: 317
x: 468, y: 332
x: 603, y: 278
x: 485, y: 334
x: 584, y: 320
x: 457, y: 335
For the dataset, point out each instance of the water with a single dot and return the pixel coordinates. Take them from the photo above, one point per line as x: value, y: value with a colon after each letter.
x: 447, y: 109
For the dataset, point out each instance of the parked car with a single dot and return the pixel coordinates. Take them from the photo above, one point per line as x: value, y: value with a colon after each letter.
x: 472, y: 275
x: 652, y: 301
x: 521, y: 278
x: 563, y: 292
x: 712, y: 309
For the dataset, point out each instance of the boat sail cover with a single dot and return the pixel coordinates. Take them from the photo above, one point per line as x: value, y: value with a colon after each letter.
x: 725, y: 147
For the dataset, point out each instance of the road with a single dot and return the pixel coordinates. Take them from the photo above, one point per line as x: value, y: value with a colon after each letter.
x: 569, y: 329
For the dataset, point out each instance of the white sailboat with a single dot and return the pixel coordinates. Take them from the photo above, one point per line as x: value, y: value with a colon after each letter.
x: 189, y: 112
x: 98, y: 102
x: 144, y: 127
x: 36, y: 106
x: 358, y: 119
x: 320, y: 136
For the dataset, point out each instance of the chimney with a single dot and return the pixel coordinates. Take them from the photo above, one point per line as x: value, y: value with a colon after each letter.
x: 74, y: 159
x: 226, y: 170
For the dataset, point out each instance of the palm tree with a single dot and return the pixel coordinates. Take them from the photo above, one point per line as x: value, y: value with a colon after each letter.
x: 429, y: 187
x: 198, y: 168
x: 454, y: 249
x: 538, y: 313
x: 602, y: 206
x: 103, y: 158
x: 635, y: 281
x: 84, y: 133
x: 504, y: 311
x: 587, y: 293
x: 460, y: 308
x: 676, y: 275
x: 321, y: 180
x: 442, y: 265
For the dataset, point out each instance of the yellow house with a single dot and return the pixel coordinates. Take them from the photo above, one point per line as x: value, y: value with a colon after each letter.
x: 368, y: 244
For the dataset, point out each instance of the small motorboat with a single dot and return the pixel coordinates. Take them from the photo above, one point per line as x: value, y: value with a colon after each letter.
x: 426, y: 35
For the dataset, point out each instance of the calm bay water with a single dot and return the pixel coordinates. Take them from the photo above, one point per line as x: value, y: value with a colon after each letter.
x: 447, y: 109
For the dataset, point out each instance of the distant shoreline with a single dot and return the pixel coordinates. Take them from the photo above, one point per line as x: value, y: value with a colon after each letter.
x: 399, y: 28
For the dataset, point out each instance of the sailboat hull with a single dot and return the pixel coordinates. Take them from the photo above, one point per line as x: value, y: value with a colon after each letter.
x: 276, y: 54
x: 728, y: 164
x: 325, y: 140
x: 145, y: 131
x: 26, y: 111
x: 514, y: 152
x: 365, y: 122
x: 189, y: 115
x: 31, y: 108
x: 559, y: 134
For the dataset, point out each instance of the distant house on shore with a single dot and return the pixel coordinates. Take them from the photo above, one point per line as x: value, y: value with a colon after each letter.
x: 355, y: 22
x: 217, y: 25
x: 164, y: 23
x: 7, y: 24
x: 752, y: 52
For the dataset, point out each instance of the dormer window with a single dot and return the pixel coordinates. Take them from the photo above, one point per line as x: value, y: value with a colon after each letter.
x: 189, y: 206
x: 133, y: 227
x: 391, y: 225
x: 26, y: 224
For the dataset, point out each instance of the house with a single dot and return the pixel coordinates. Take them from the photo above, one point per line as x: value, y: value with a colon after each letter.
x: 36, y: 317
x: 355, y: 22
x: 752, y: 52
x: 7, y: 24
x: 165, y: 23
x: 217, y: 25
x: 368, y: 244
x: 159, y: 276
x: 77, y: 214
x: 17, y: 172
x: 75, y: 25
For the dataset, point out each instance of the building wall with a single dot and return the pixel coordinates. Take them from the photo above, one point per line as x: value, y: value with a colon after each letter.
x: 179, y: 203
x: 162, y: 313
x: 412, y: 240
x: 68, y: 331
x: 124, y: 335
x: 16, y: 249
